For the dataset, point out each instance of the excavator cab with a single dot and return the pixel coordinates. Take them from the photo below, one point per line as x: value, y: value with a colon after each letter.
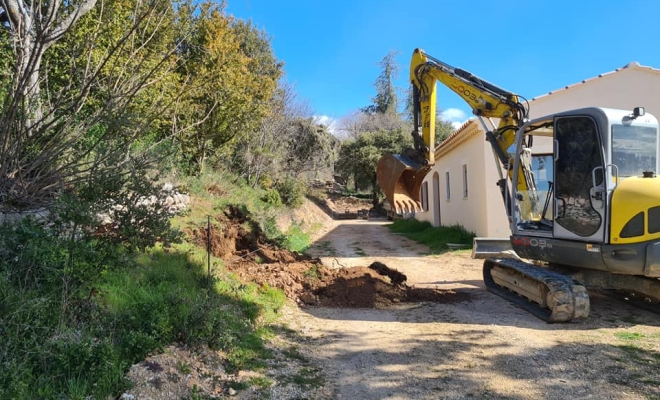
x: 401, y: 179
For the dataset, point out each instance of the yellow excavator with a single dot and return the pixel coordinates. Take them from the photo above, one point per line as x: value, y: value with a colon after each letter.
x: 579, y: 187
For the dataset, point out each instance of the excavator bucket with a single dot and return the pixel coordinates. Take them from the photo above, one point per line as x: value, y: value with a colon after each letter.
x: 401, y: 179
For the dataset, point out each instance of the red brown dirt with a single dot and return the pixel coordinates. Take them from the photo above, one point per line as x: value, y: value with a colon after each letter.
x: 247, y: 252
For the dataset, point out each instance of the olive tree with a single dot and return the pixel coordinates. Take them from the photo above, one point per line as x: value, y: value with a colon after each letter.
x: 77, y: 99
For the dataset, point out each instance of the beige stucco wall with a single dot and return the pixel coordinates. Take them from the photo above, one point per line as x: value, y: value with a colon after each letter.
x: 482, y: 211
x: 628, y: 87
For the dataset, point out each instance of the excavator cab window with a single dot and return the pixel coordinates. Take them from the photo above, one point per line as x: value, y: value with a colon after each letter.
x: 535, y: 203
x: 634, y: 149
x: 578, y: 182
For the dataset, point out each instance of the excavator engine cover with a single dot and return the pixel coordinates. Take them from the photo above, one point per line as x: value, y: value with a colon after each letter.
x: 401, y: 179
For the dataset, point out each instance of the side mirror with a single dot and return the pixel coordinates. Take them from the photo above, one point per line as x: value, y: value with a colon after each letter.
x: 638, y: 112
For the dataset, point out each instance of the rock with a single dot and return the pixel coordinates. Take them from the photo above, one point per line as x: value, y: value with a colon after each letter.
x: 308, y: 298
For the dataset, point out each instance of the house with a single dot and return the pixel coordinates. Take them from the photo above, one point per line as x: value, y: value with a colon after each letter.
x: 461, y: 187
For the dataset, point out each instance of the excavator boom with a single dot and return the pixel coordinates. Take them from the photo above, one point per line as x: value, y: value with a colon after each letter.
x: 400, y: 176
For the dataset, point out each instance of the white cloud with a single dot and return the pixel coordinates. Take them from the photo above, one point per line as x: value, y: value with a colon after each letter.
x: 329, y: 123
x: 457, y: 124
x: 453, y: 115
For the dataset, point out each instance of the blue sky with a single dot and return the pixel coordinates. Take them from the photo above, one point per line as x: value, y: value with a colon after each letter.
x: 331, y: 48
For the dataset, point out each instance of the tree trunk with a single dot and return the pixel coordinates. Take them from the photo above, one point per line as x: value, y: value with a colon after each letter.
x: 34, y: 27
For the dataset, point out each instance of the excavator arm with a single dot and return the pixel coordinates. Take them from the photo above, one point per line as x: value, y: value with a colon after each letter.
x: 401, y: 176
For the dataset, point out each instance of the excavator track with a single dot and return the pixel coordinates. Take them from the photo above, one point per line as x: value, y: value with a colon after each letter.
x: 549, y: 295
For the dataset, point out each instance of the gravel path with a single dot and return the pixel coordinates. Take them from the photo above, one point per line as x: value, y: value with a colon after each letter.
x: 483, y: 347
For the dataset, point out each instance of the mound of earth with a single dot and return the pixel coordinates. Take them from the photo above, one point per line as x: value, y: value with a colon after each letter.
x: 247, y: 252
x: 339, y: 203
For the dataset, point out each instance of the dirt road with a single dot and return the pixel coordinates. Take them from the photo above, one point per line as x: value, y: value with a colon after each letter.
x: 475, y: 345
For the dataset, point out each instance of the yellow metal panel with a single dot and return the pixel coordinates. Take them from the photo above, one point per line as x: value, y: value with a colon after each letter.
x: 632, y: 196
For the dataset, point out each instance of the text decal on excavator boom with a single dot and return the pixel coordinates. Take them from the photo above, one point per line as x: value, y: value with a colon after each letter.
x: 426, y: 110
x: 466, y: 92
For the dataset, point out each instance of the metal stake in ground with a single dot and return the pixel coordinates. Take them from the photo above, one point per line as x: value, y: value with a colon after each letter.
x: 208, y: 248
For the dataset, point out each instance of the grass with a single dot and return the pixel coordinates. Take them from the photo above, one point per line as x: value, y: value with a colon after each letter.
x: 436, y: 238
x: 312, y: 272
x: 305, y: 377
x: 629, y: 336
x: 324, y: 246
x: 640, y: 356
x: 167, y: 298
x: 261, y: 382
x: 359, y: 252
x: 61, y: 341
x: 309, y: 377
x: 296, y: 239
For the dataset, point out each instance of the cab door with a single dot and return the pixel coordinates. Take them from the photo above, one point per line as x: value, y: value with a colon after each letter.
x: 579, y: 187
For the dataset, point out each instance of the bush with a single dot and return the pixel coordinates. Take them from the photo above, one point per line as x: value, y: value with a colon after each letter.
x: 296, y: 239
x: 292, y: 192
x: 272, y: 197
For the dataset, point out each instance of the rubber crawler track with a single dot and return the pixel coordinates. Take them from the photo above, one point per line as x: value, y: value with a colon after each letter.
x: 569, y: 298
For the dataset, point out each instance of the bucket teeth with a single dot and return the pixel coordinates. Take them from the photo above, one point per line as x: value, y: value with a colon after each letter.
x: 407, y: 206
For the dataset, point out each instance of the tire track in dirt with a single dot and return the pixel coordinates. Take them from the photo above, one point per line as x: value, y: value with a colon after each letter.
x: 483, y: 347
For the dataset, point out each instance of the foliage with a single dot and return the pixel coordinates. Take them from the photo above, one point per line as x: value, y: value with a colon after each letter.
x: 97, y: 87
x: 443, y: 129
x: 84, y: 343
x: 85, y: 129
x: 436, y: 238
x: 234, y: 75
x: 385, y: 101
x: 288, y: 143
x: 272, y: 197
x: 292, y: 191
x: 358, y: 158
x: 296, y: 239
x: 354, y: 125
x: 310, y: 148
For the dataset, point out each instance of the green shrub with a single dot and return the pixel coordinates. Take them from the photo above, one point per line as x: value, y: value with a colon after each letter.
x: 98, y: 301
x: 272, y: 197
x: 270, y: 229
x: 296, y: 239
x: 292, y: 191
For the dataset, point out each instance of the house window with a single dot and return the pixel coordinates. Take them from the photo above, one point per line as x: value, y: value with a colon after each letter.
x: 465, y: 181
x: 447, y: 184
x: 425, y: 196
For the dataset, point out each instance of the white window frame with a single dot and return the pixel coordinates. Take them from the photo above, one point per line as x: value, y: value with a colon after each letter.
x: 447, y: 186
x: 465, y: 181
x: 425, y: 196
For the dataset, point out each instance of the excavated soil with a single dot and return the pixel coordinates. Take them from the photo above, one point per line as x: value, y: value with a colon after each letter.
x: 248, y: 253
